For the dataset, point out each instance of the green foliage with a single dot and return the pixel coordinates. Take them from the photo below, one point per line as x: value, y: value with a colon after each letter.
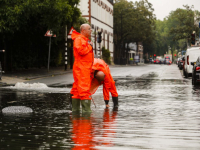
x: 133, y: 22
x: 182, y: 24
x: 15, y: 15
x: 80, y: 21
x: 174, y: 31
x: 106, y: 55
x: 23, y: 24
x: 131, y: 59
x: 140, y: 25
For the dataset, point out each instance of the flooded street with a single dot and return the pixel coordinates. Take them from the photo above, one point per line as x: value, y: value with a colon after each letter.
x: 157, y: 110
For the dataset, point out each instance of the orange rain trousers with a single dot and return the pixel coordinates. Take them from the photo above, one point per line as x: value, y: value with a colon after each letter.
x: 82, y: 68
x: 108, y: 83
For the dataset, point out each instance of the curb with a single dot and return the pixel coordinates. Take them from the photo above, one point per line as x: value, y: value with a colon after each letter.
x: 47, y: 75
x: 40, y: 76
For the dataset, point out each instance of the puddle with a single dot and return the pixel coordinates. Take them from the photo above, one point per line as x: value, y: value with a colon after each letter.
x: 153, y: 114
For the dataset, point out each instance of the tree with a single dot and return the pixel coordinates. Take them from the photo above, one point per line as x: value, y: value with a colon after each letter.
x: 23, y: 24
x: 133, y: 22
x: 183, y: 23
x: 15, y: 15
x: 174, y: 31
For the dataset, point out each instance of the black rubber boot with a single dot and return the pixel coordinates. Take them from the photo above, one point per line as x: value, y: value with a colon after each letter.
x: 106, y: 102
x: 75, y: 105
x: 115, y: 101
x: 86, y: 106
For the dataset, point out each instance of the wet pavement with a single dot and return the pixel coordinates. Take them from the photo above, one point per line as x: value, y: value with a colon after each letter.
x: 159, y: 109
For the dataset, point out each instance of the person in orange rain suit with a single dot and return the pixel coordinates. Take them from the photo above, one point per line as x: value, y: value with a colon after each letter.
x: 84, y: 57
x: 102, y: 76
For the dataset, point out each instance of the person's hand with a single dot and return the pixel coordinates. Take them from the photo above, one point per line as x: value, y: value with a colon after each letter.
x: 107, y: 106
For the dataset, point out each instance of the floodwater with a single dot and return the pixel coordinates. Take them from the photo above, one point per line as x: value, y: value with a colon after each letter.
x: 153, y: 114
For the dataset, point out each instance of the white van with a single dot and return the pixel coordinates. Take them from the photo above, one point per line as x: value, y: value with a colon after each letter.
x: 191, y: 55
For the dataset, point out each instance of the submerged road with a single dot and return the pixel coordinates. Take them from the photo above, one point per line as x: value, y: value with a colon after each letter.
x: 163, y: 72
x: 158, y: 110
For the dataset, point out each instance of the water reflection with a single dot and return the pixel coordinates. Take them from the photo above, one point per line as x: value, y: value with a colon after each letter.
x: 87, y: 133
x: 153, y: 114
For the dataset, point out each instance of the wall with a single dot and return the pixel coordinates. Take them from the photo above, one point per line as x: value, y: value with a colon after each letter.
x: 100, y: 15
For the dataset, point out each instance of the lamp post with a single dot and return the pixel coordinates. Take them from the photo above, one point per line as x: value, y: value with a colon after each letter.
x: 1, y: 71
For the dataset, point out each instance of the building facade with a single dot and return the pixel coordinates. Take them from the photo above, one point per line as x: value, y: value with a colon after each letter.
x: 100, y: 16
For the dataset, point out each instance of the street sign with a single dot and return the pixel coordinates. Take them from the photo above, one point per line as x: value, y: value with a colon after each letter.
x: 70, y: 33
x: 49, y: 33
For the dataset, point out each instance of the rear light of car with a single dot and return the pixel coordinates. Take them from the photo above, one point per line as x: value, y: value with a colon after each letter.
x: 187, y: 60
x: 197, y: 68
x: 154, y: 61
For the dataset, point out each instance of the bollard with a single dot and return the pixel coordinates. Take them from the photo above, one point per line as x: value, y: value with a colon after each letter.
x: 1, y: 72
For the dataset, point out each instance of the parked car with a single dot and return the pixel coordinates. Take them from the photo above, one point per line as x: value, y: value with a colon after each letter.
x: 162, y: 61
x: 168, y: 61
x: 151, y: 60
x: 196, y: 71
x: 180, y: 63
x: 191, y: 55
x: 157, y: 61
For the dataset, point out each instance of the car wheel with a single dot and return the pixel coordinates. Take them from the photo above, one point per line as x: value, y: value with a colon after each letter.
x: 194, y: 82
x: 185, y: 74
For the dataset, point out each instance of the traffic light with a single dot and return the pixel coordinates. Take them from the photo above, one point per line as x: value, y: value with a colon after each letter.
x: 175, y: 55
x: 193, y: 39
x: 99, y: 37
x: 154, y: 55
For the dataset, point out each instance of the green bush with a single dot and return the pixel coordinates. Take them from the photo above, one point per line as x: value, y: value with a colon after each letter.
x: 106, y: 55
x: 131, y: 59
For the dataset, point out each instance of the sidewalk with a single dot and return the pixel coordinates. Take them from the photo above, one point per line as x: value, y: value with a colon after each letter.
x: 28, y: 74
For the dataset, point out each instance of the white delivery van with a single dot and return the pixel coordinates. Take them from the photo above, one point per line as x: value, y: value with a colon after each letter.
x: 191, y: 55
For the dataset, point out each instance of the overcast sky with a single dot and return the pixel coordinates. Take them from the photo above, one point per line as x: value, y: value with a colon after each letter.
x: 162, y: 8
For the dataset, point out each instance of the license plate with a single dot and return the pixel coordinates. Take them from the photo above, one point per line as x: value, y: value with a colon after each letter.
x: 197, y: 73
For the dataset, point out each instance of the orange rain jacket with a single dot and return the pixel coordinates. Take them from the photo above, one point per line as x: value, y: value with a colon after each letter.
x: 108, y: 83
x: 84, y: 57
